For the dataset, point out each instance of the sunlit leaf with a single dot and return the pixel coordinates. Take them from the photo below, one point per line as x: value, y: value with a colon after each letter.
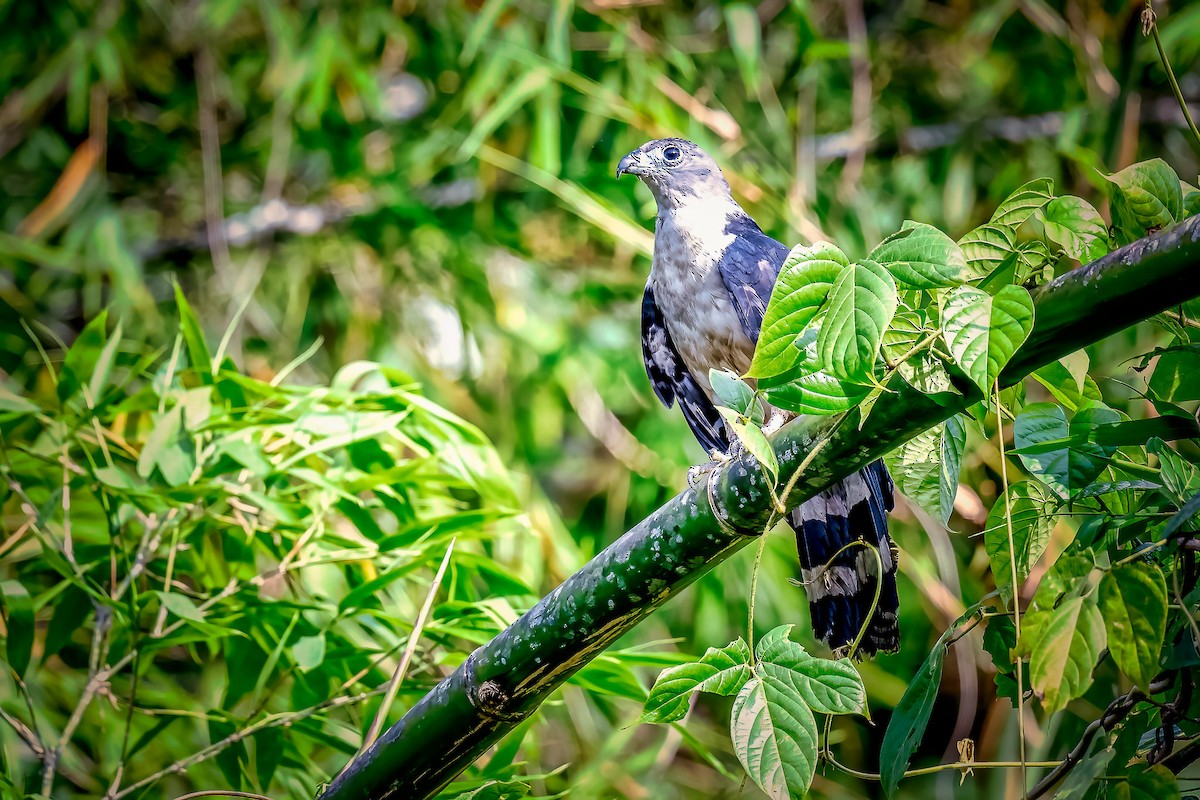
x: 922, y: 257
x: 983, y: 331
x: 775, y: 737
x: 720, y: 671
x: 803, y: 285
x: 1144, y: 197
x: 1076, y: 227
x: 926, y: 467
x: 861, y: 305
x: 828, y: 686
x: 1065, y: 651
x: 1025, y: 200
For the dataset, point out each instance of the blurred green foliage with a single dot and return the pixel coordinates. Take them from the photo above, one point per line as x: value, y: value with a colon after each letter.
x: 428, y: 185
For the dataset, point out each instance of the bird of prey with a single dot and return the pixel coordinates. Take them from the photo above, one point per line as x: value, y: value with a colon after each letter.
x: 710, y: 281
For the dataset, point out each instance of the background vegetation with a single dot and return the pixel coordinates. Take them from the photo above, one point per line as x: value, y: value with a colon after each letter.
x: 257, y: 508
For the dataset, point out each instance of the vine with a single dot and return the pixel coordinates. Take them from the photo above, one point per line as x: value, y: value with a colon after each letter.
x: 947, y: 316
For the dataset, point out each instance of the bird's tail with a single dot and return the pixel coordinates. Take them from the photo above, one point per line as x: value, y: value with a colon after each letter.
x: 839, y: 577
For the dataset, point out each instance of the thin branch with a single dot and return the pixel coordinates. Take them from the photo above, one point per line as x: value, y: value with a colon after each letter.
x: 414, y: 637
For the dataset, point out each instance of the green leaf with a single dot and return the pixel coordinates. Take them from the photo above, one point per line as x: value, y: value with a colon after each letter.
x: 1059, y: 452
x: 19, y: 619
x: 1144, y: 197
x: 720, y: 671
x: 80, y: 362
x: 181, y: 605
x: 1067, y: 380
x: 808, y: 390
x: 985, y: 248
x: 908, y: 722
x: 309, y: 652
x: 775, y: 737
x: 983, y: 331
x: 1033, y: 506
x: 193, y: 336
x: 268, y: 755
x: 861, y: 305
x: 752, y: 438
x: 734, y: 393
x: 1133, y: 598
x: 817, y: 393
x: 1076, y: 227
x: 801, y: 289
x: 1019, y: 205
x: 1066, y: 649
x: 496, y: 790
x: 926, y: 467
x: 922, y: 257
x: 828, y: 686
x: 1086, y: 774
x: 923, y: 371
x: 1146, y: 783
x: 1176, y: 376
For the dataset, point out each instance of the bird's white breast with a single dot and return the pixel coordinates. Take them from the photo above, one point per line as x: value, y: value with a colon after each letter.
x: 689, y: 241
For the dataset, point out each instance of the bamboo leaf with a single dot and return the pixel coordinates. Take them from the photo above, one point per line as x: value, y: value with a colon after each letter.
x: 19, y: 620
x: 908, y: 722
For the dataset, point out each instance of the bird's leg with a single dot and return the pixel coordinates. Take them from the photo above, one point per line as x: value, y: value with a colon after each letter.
x: 717, y: 459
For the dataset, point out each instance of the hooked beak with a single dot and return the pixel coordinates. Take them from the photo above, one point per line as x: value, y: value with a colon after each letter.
x: 632, y: 164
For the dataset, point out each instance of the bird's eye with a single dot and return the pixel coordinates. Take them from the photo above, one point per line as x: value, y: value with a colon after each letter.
x: 672, y: 155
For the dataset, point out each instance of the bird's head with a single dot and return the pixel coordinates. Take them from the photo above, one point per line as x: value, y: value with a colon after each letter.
x: 676, y: 171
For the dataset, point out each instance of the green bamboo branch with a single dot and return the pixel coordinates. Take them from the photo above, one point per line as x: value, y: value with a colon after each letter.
x: 503, y: 682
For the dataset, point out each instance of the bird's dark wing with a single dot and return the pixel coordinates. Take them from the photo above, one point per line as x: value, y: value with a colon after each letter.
x: 672, y: 381
x: 749, y: 267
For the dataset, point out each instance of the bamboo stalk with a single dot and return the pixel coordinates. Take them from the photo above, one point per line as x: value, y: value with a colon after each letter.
x: 504, y: 681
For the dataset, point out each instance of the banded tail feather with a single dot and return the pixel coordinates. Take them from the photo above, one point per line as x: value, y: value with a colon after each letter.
x: 841, y: 587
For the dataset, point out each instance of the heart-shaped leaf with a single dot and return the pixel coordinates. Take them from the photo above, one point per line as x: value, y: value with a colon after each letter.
x: 922, y: 257
x: 720, y: 671
x: 986, y: 247
x: 801, y: 289
x: 828, y: 686
x: 983, y: 330
x: 926, y: 467
x: 1066, y: 649
x: 1019, y: 205
x: 775, y: 737
x: 860, y: 307
x: 1076, y: 227
x: 1061, y: 453
x: 1144, y: 197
